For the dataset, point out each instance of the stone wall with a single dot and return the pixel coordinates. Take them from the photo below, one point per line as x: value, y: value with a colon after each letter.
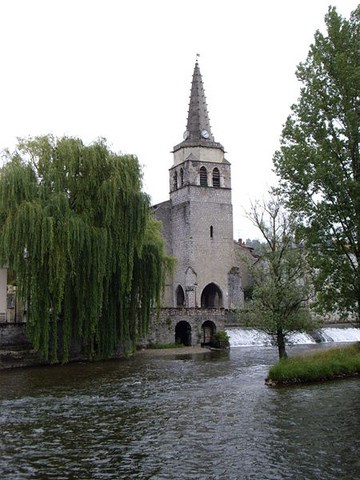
x: 162, y: 328
x: 162, y: 212
x: 13, y: 334
x: 204, y: 240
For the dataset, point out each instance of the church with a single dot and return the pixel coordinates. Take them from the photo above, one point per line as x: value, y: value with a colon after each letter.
x: 210, y: 277
x: 197, y: 220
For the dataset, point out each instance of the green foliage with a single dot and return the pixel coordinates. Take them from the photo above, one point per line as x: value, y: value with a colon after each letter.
x: 88, y: 255
x: 220, y: 339
x: 281, y: 289
x: 319, y: 162
x: 324, y: 365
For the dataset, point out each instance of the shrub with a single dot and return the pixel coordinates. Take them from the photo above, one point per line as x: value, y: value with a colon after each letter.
x: 220, y: 339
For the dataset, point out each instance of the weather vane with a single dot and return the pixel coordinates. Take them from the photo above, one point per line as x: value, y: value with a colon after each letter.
x: 197, y: 55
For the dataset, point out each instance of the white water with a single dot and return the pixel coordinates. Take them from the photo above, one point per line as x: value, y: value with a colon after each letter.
x: 341, y: 334
x: 246, y: 337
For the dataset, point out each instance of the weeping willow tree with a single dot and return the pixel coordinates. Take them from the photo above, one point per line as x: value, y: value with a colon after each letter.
x: 77, y: 229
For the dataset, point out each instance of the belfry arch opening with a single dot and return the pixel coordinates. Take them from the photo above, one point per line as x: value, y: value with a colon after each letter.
x: 180, y: 296
x: 208, y: 329
x: 203, y: 177
x: 216, y: 178
x: 183, y: 333
x: 211, y: 297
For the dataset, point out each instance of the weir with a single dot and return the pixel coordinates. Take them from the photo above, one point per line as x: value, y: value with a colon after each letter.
x: 247, y: 337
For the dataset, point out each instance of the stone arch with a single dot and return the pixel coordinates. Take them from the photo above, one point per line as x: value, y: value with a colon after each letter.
x: 203, y: 177
x: 208, y: 329
x: 181, y: 177
x: 183, y: 333
x: 180, y: 296
x: 190, y: 276
x: 211, y: 297
x: 216, y: 178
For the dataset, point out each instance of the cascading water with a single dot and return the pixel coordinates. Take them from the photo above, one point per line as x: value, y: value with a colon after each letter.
x: 246, y: 337
x: 340, y: 334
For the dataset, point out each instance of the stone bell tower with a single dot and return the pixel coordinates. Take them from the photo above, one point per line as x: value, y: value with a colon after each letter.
x: 201, y: 219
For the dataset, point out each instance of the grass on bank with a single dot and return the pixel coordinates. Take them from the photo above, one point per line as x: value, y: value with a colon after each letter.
x: 325, y: 365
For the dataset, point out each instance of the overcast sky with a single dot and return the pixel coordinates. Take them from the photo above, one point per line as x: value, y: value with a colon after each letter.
x: 122, y: 69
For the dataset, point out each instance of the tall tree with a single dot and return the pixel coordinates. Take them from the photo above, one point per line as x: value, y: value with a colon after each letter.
x: 319, y: 162
x: 76, y: 228
x: 281, y: 291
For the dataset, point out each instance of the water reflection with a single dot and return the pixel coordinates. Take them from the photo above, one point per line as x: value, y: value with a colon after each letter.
x: 206, y: 416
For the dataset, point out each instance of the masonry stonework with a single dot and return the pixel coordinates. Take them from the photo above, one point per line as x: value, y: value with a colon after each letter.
x: 163, y: 327
x: 197, y: 220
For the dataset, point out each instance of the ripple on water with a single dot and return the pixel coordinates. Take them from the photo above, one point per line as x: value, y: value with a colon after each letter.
x: 189, y: 418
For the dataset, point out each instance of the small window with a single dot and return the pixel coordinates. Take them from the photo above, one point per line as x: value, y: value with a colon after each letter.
x: 175, y: 181
x: 203, y: 177
x: 181, y: 177
x: 216, y: 178
x: 211, y: 232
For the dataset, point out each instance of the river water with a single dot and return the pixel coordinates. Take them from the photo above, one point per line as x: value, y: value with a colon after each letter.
x: 188, y: 416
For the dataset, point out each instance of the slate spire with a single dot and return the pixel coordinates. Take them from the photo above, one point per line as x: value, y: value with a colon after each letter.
x: 198, y: 130
x: 198, y: 123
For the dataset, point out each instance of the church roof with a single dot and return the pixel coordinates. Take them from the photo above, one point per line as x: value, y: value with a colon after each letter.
x: 198, y: 130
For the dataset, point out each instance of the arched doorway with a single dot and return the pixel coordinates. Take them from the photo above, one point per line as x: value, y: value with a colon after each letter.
x: 180, y: 296
x: 211, y: 297
x: 208, y: 329
x: 183, y: 333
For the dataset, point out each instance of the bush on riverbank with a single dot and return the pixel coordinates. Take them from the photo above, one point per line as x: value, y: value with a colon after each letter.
x: 220, y: 340
x: 325, y: 365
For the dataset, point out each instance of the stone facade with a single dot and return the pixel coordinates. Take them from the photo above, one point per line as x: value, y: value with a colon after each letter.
x: 190, y: 326
x: 197, y: 220
x: 13, y: 334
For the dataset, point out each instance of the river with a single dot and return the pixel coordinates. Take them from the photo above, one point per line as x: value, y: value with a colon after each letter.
x: 184, y: 416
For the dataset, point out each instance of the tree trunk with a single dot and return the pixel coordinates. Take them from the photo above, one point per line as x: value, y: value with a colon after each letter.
x: 280, y: 338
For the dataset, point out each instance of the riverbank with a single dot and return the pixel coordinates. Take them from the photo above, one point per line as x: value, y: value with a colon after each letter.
x: 335, y: 363
x: 13, y: 357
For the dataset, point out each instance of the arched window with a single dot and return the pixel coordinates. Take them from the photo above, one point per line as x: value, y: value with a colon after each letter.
x: 216, y: 178
x: 211, y: 231
x: 180, y: 297
x: 203, y: 177
x: 181, y: 177
x: 175, y: 180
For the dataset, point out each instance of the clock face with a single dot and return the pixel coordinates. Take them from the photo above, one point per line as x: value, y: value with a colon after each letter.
x: 204, y: 133
x: 186, y: 134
